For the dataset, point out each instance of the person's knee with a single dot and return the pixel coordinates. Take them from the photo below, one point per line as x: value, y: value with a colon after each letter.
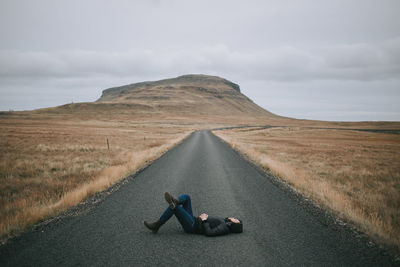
x: 184, y: 197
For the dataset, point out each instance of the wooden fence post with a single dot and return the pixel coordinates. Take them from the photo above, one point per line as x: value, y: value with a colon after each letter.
x: 108, y: 145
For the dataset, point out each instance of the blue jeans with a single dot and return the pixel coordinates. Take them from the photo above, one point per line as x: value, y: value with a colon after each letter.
x: 183, y: 212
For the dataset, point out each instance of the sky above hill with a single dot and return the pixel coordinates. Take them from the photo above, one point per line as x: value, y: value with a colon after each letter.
x: 321, y: 59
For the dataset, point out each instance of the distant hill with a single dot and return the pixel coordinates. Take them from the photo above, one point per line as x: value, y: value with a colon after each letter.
x: 187, y: 94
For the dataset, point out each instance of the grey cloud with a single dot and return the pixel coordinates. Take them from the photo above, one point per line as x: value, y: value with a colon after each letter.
x: 58, y: 51
x: 287, y: 63
x: 74, y: 63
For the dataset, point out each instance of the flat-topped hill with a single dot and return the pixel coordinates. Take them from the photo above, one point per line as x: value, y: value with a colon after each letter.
x: 187, y: 94
x: 197, y: 81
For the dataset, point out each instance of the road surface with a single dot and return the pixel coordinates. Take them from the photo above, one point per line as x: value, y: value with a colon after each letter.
x: 278, y: 231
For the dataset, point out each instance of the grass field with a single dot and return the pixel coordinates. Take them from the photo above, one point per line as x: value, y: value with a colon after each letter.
x: 52, y: 159
x: 354, y: 174
x: 49, y: 163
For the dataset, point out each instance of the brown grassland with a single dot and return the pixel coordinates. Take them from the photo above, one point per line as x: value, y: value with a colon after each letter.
x: 50, y: 162
x: 354, y: 174
x: 52, y: 159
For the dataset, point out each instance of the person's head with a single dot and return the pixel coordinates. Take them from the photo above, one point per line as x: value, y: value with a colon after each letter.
x: 235, y: 225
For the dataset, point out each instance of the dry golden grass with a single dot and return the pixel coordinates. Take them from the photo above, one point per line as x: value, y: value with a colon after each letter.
x: 52, y: 159
x: 352, y: 173
x: 49, y: 163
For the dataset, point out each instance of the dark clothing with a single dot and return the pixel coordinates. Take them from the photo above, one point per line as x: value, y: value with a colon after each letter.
x: 198, y: 226
x: 213, y: 226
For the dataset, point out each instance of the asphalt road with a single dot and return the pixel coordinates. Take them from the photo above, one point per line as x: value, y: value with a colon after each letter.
x: 278, y: 231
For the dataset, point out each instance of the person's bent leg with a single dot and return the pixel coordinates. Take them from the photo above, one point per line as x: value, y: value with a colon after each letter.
x: 186, y: 203
x: 154, y: 226
x: 167, y: 214
x: 185, y: 218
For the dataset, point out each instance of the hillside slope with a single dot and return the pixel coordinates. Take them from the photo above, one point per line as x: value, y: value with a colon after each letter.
x: 187, y: 94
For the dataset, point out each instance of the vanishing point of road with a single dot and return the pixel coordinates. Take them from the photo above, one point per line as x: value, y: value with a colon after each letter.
x: 278, y: 231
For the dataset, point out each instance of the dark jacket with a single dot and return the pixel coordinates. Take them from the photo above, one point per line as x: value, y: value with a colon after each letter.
x: 213, y: 226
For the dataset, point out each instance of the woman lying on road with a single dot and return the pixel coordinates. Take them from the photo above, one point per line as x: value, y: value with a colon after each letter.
x: 181, y: 207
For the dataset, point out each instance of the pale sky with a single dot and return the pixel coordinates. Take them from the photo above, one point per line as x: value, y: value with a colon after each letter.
x: 321, y: 59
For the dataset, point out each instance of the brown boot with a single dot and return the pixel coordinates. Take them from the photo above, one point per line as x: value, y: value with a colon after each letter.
x: 172, y: 201
x: 154, y: 226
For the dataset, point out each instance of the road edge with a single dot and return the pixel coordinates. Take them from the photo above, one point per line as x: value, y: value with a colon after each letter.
x: 344, y: 228
x: 90, y: 202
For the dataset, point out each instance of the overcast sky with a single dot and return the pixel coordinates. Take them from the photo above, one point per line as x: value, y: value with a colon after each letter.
x: 328, y: 60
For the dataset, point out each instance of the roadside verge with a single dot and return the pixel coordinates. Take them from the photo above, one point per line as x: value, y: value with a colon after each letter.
x: 107, y: 180
x: 317, y: 165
